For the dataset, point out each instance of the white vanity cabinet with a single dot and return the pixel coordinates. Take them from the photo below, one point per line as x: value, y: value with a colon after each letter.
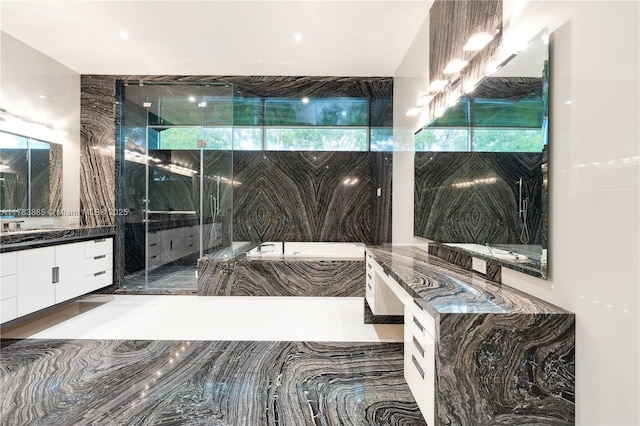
x: 36, y: 278
x: 379, y: 292
x: 419, y: 357
x: 386, y: 297
x: 49, y: 275
x: 8, y: 286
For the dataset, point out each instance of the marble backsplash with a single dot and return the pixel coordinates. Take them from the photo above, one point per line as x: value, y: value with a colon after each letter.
x: 472, y: 197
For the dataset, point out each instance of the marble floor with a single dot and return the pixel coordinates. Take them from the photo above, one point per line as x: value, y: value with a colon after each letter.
x: 169, y: 278
x: 189, y: 360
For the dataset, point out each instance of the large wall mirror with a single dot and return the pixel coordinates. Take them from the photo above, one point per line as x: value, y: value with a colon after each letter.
x: 30, y: 177
x: 481, y: 166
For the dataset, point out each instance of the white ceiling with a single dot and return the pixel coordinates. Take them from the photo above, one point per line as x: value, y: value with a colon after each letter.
x: 339, y: 38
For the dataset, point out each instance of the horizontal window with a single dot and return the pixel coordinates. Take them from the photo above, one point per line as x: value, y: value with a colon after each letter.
x: 381, y: 139
x: 442, y: 140
x: 508, y: 140
x: 316, y: 139
x: 317, y: 112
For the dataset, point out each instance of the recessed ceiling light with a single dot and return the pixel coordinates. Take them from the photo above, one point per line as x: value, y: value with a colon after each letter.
x: 305, y: 100
x: 477, y: 42
x: 202, y: 104
x: 423, y: 100
x: 192, y: 98
x: 297, y: 37
x: 437, y: 85
x: 124, y: 35
x: 42, y: 96
x: 455, y: 66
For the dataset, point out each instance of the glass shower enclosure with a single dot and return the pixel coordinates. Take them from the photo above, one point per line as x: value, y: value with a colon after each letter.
x: 176, y: 171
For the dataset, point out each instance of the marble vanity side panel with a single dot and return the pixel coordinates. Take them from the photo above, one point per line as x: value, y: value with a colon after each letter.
x: 499, y: 369
x: 382, y: 175
x: 370, y: 318
x: 281, y: 278
x: 447, y: 38
x: 476, y: 213
x: 55, y: 179
x: 302, y: 196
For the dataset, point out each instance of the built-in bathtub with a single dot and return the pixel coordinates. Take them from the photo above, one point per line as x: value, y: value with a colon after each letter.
x: 311, y: 269
x: 328, y: 250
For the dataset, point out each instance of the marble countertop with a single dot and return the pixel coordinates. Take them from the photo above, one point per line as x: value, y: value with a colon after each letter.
x: 34, y: 238
x: 441, y: 287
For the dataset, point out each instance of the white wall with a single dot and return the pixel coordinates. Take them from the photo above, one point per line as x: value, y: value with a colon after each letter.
x: 410, y: 81
x: 594, y: 193
x: 39, y: 89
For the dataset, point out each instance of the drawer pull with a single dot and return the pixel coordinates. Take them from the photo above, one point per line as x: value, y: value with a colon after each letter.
x: 101, y: 240
x: 99, y: 273
x: 418, y: 346
x: 416, y: 322
x: 102, y: 256
x: 368, y: 275
x: 418, y: 305
x: 153, y: 245
x: 369, y: 265
x: 369, y: 285
x: 415, y: 362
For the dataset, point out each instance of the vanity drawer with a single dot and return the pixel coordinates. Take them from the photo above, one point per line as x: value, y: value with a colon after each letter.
x: 98, y: 247
x: 8, y: 309
x: 8, y: 263
x: 422, y: 318
x: 98, y: 263
x: 8, y: 286
x: 422, y: 387
x: 98, y: 280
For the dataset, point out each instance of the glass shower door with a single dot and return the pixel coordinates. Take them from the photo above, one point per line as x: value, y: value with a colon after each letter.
x: 184, y: 192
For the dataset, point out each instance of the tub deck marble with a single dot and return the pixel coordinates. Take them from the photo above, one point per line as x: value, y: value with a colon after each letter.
x: 501, y: 356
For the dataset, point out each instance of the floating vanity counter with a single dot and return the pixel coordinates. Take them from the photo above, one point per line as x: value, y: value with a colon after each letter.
x: 43, y: 268
x: 476, y: 352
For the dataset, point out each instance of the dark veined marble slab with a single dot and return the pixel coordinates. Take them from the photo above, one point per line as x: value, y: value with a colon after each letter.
x: 28, y: 239
x: 281, y: 277
x: 99, y: 382
x: 502, y: 357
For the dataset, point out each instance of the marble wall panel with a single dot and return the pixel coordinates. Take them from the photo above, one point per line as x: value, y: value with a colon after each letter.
x: 309, y: 196
x: 281, y: 277
x: 97, y: 147
x: 452, y: 206
x: 451, y: 23
x: 55, y: 177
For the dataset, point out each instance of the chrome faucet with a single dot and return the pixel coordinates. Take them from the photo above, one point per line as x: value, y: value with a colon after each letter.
x: 264, y: 245
x: 490, y: 249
